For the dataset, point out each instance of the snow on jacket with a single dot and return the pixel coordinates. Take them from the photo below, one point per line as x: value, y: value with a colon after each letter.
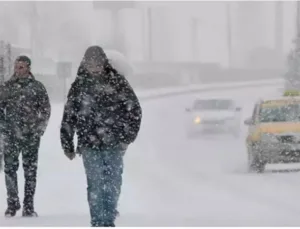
x: 103, y: 111
x: 24, y: 107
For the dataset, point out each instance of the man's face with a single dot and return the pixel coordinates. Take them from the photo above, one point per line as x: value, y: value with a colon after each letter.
x: 94, y: 68
x: 21, y: 69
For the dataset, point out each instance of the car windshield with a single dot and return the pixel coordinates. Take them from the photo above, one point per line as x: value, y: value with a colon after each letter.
x: 284, y: 113
x: 213, y: 105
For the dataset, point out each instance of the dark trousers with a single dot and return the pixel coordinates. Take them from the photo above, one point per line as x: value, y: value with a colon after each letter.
x: 1, y: 161
x: 1, y: 151
x: 29, y: 147
x: 104, y: 180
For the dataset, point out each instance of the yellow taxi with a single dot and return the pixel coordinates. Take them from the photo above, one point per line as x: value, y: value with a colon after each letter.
x: 274, y: 132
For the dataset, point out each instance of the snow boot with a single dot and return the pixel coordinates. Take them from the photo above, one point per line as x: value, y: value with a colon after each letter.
x: 29, y: 212
x: 109, y: 225
x: 11, y: 211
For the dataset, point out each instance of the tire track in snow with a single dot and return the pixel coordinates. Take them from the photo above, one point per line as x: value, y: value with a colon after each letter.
x: 259, y: 192
x: 223, y: 184
x: 248, y: 191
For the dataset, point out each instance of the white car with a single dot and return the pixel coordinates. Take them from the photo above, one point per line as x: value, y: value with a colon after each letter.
x: 214, y: 115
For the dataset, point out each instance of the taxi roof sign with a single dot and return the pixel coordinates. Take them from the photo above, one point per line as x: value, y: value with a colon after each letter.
x: 289, y: 98
x: 280, y: 103
x: 292, y: 93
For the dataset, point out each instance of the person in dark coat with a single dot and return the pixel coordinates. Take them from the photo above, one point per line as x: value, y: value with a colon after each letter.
x: 1, y: 161
x: 105, y: 113
x: 24, y: 115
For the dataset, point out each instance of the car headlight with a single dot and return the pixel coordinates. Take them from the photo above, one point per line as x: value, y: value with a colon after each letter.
x: 197, y: 120
x: 267, y: 137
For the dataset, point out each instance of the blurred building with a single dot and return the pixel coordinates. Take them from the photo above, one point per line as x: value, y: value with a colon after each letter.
x: 160, y: 37
x: 249, y: 30
x: 131, y: 33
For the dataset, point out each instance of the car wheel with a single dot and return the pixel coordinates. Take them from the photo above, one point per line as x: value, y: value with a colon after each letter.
x: 255, y: 163
x: 257, y: 166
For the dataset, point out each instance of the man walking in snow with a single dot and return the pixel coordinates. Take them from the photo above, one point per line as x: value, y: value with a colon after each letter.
x: 24, y: 115
x: 105, y: 113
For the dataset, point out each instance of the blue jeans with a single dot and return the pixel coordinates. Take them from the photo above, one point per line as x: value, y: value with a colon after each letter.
x: 104, y: 171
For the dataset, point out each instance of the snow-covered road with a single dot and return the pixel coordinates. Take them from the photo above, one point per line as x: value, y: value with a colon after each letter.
x: 169, y: 180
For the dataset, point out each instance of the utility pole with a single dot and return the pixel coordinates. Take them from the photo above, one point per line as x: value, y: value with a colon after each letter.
x: 115, y: 27
x: 195, y: 38
x: 279, y: 30
x: 34, y: 33
x: 298, y: 26
x: 229, y: 37
x: 292, y: 76
x: 114, y: 7
x: 149, y: 19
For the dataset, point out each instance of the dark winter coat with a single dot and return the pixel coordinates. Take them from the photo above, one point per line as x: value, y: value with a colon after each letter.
x: 103, y: 111
x: 24, y: 107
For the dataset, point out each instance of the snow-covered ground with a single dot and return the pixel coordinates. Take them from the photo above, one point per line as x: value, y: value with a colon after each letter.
x: 169, y: 180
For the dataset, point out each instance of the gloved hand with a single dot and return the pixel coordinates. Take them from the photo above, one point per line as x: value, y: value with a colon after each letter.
x: 124, y: 146
x: 41, y: 128
x: 1, y: 162
x: 70, y: 155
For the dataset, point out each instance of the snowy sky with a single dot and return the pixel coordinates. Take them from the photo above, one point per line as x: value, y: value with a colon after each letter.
x: 68, y: 28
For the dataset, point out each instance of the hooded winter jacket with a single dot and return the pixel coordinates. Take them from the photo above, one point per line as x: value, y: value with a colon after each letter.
x: 103, y: 111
